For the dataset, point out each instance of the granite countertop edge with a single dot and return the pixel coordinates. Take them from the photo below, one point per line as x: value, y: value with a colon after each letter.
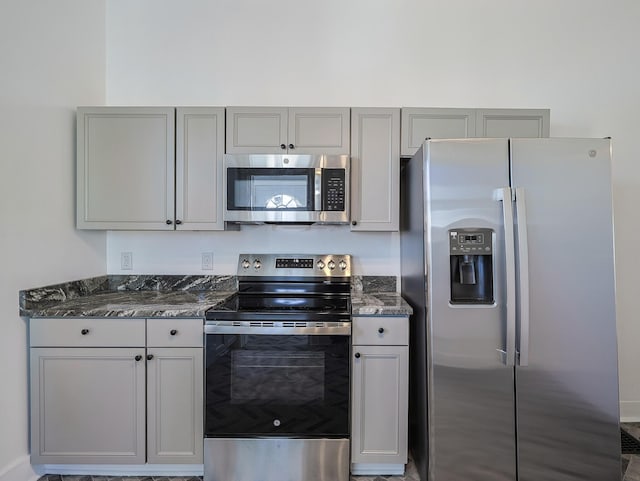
x: 152, y: 296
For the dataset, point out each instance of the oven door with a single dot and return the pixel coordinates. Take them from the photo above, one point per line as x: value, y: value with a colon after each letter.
x: 287, y: 379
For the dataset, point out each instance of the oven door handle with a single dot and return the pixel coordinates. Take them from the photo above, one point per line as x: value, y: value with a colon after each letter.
x: 297, y: 328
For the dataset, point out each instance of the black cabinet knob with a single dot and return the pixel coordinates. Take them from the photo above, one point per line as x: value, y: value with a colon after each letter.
x: 357, y: 354
x: 173, y: 332
x: 149, y: 357
x: 138, y: 358
x: 169, y: 222
x: 354, y: 222
x: 84, y: 332
x: 282, y: 146
x: 178, y: 222
x: 291, y: 146
x: 381, y: 330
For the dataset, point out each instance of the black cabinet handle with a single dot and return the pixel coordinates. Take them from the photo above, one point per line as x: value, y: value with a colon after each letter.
x: 173, y: 332
x: 84, y: 332
x: 178, y: 222
x: 149, y: 357
x: 354, y: 222
x: 291, y: 146
x: 138, y: 358
x: 357, y: 354
x: 282, y: 146
x: 381, y: 330
x: 169, y: 222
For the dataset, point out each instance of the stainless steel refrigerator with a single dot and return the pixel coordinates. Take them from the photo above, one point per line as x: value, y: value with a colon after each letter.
x: 507, y: 261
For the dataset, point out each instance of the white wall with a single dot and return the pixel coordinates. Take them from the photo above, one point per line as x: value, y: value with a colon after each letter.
x: 576, y: 57
x: 52, y: 58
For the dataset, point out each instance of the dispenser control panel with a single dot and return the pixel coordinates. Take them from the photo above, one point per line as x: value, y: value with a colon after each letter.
x: 470, y: 241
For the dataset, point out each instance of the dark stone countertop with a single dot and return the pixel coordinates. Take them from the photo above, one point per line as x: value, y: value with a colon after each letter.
x: 179, y: 296
x: 136, y: 304
x: 129, y: 296
x: 379, y: 304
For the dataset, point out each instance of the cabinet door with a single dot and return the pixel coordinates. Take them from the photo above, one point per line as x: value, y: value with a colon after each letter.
x: 174, y: 405
x: 256, y: 130
x: 379, y: 401
x: 512, y: 123
x: 318, y: 131
x: 125, y: 168
x: 87, y: 406
x: 421, y: 123
x: 199, y: 152
x: 375, y: 169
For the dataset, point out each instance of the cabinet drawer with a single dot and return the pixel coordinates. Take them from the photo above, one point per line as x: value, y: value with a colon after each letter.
x: 380, y: 330
x: 175, y: 332
x: 87, y: 332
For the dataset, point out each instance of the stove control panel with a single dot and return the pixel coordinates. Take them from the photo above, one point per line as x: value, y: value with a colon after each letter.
x: 328, y: 265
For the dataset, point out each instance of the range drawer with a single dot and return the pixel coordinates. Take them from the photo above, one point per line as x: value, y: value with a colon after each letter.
x: 172, y: 332
x: 380, y: 331
x: 87, y: 332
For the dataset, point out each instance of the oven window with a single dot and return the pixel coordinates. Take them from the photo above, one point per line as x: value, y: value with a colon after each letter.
x: 260, y: 189
x: 282, y: 377
x: 277, y: 385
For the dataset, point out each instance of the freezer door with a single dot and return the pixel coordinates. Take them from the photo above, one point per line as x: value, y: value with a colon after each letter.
x: 470, y: 385
x: 567, y: 387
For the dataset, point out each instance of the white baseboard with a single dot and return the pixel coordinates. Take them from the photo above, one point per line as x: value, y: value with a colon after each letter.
x: 122, y: 469
x: 382, y: 469
x: 629, y: 411
x: 19, y: 470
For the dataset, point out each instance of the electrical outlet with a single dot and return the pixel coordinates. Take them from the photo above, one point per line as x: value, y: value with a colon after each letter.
x: 207, y: 261
x: 126, y: 261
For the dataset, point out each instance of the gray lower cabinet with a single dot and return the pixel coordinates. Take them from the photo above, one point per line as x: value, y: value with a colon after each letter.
x: 379, y: 395
x: 174, y: 391
x: 104, y: 392
x: 442, y: 123
x: 375, y: 169
x: 149, y: 168
x: 87, y: 405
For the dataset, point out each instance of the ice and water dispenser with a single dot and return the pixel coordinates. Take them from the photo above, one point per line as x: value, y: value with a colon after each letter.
x: 471, y: 274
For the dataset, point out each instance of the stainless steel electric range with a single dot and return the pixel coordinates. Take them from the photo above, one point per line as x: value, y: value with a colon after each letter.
x: 277, y: 372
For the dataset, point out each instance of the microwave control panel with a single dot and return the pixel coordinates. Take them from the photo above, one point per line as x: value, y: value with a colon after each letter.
x: 333, y: 189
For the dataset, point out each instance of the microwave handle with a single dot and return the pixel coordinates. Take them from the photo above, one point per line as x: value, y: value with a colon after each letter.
x: 317, y: 188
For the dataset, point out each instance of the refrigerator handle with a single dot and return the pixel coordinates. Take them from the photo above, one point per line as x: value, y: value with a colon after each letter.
x: 508, y: 355
x: 523, y: 265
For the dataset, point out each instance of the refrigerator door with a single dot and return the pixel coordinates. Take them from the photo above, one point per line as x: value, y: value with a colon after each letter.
x: 567, y: 393
x: 470, y: 386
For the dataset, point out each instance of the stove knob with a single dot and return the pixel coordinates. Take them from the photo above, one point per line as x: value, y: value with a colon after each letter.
x: 320, y: 265
x: 343, y: 265
x: 245, y: 264
x: 257, y: 264
x: 332, y: 265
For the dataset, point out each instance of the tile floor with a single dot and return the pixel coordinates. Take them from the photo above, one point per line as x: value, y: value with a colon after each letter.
x: 630, y: 470
x: 631, y: 462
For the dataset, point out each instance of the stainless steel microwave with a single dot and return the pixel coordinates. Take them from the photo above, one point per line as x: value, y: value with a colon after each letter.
x: 310, y: 189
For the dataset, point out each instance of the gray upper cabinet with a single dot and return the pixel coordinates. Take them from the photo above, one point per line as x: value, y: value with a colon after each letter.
x: 512, y: 123
x: 277, y: 130
x: 419, y: 124
x: 125, y: 168
x: 136, y: 171
x: 199, y: 153
x: 375, y: 169
x: 436, y: 123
